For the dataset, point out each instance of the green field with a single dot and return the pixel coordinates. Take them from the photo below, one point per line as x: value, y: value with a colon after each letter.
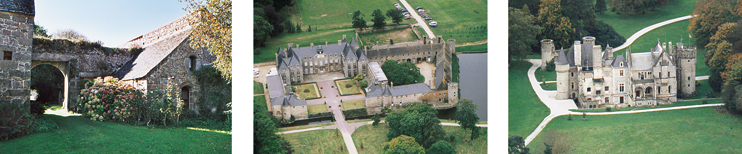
x: 397, y: 35
x: 312, y: 87
x: 552, y: 86
x: 332, y: 14
x: 463, y: 20
x: 353, y: 89
x: 316, y: 141
x: 260, y: 100
x: 699, y: 130
x: 481, y: 47
x: 374, y: 137
x: 283, y: 129
x: 354, y: 104
x: 525, y: 109
x: 702, y: 90
x: 268, y: 52
x: 548, y: 76
x: 319, y: 108
x: 628, y: 25
x: 679, y: 103
x: 258, y: 87
x: 81, y: 135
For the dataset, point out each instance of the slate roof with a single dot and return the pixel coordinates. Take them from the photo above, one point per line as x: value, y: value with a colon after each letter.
x: 275, y: 86
x: 410, y: 89
x: 18, y: 6
x: 375, y: 90
x: 376, y: 71
x: 152, y: 55
x: 586, y: 55
x: 295, y: 55
x: 617, y: 62
x: 562, y: 58
x: 439, y: 76
x: 288, y: 100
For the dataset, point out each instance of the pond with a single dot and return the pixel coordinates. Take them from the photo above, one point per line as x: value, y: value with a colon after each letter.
x: 473, y: 84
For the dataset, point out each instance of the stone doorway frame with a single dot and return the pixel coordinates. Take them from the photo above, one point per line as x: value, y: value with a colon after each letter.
x: 64, y: 67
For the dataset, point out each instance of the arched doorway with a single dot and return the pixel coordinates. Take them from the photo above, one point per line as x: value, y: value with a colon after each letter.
x: 64, y: 68
x: 185, y: 97
x: 48, y: 81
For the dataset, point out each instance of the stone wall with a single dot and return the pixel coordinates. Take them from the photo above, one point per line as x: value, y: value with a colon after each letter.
x: 161, y: 32
x: 93, y: 59
x: 174, y: 70
x: 16, y: 31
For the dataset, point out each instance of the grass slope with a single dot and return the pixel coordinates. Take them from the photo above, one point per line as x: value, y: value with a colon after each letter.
x: 260, y: 100
x: 258, y: 87
x: 525, y: 109
x: 326, y: 14
x: 81, y: 135
x: 699, y: 130
x: 268, y: 52
x: 457, y: 19
x: 397, y: 36
x: 673, y: 9
x: 316, y: 141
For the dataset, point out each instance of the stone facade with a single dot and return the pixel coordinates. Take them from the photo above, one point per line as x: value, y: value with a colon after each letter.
x: 16, y: 33
x: 595, y: 79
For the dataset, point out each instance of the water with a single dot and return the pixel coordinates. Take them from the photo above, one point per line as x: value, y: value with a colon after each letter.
x: 473, y: 81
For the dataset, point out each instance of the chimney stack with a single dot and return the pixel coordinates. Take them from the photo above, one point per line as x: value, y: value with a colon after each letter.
x: 311, y: 45
x: 425, y: 39
x: 325, y: 43
x: 290, y: 44
x: 392, y: 85
x: 343, y: 36
x: 297, y: 46
x: 338, y: 42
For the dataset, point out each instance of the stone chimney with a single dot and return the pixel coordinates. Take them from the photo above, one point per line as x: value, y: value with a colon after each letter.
x: 425, y: 39
x: 392, y: 85
x: 440, y: 38
x: 338, y: 42
x: 297, y: 46
x: 311, y: 45
x: 343, y: 36
x: 578, y: 53
x: 325, y: 43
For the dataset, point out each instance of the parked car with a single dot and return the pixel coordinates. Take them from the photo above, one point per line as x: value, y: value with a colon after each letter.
x: 404, y: 10
x: 425, y: 16
x: 395, y: 3
x: 419, y: 7
x: 428, y: 18
x: 408, y: 17
x: 405, y: 13
x: 433, y: 24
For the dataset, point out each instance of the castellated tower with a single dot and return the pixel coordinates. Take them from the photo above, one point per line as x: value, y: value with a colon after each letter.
x: 686, y: 69
x: 547, y: 48
x: 562, y: 69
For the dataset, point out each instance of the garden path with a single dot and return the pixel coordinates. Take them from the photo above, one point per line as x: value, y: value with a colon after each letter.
x: 417, y: 17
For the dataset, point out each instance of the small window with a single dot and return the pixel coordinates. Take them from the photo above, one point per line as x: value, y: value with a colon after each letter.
x: 620, y: 72
x: 597, y: 92
x: 588, y: 89
x: 7, y: 55
x: 606, y: 88
x: 192, y: 63
x: 688, y: 78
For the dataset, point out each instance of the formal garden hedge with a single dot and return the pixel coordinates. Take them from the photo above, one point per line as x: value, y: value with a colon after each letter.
x: 320, y: 115
x: 355, y: 113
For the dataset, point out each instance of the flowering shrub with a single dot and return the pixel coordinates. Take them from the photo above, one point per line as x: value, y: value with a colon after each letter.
x: 109, y: 99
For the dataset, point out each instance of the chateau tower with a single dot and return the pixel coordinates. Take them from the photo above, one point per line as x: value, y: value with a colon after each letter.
x: 16, y: 24
x: 547, y: 48
x: 686, y: 66
x: 562, y: 69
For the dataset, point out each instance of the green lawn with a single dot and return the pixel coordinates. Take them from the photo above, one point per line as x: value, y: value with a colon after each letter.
x: 525, y: 109
x: 319, y: 108
x: 397, y: 35
x: 258, y: 87
x: 703, y: 90
x: 698, y: 130
x: 353, y: 89
x: 628, y: 25
x: 463, y: 20
x: 354, y: 104
x: 316, y: 141
x: 283, y: 129
x: 455, y: 68
x: 312, y: 87
x: 260, y: 100
x: 81, y: 135
x: 680, y: 103
x: 481, y: 47
x: 552, y: 86
x: 374, y: 137
x: 268, y: 52
x: 549, y: 76
x: 331, y: 14
x: 454, y: 121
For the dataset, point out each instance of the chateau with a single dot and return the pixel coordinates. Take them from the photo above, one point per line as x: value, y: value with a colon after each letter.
x: 294, y: 63
x: 595, y: 79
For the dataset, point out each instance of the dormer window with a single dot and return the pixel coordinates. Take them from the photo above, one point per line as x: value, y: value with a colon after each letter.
x: 620, y: 64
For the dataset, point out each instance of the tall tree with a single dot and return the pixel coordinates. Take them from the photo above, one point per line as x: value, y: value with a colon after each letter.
x: 274, y: 19
x: 710, y: 14
x: 261, y: 30
x: 395, y: 15
x: 533, y: 4
x: 554, y: 25
x: 441, y: 147
x: 600, y: 6
x: 418, y: 121
x: 521, y: 33
x: 715, y: 81
x: 403, y: 145
x: 466, y: 114
x: 358, y: 21
x: 378, y: 19
x: 516, y: 145
x: 211, y: 22
x: 401, y: 73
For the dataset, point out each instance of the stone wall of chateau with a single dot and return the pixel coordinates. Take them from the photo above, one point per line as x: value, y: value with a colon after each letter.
x: 453, y: 92
x: 299, y: 112
x: 161, y: 32
x: 175, y: 70
x: 93, y: 60
x: 16, y: 32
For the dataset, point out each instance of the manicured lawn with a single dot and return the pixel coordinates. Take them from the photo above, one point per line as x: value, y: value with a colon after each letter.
x: 258, y: 87
x: 354, y: 104
x: 299, y: 89
x: 268, y: 52
x: 703, y: 90
x: 679, y: 103
x: 552, y: 86
x: 330, y: 14
x: 353, y: 89
x: 319, y: 108
x: 525, y: 109
x: 698, y: 130
x: 463, y: 20
x: 81, y: 135
x: 619, y: 22
x: 549, y: 76
x: 481, y: 47
x: 397, y: 35
x: 260, y: 100
x: 374, y: 137
x: 455, y: 68
x: 282, y: 129
x: 316, y: 141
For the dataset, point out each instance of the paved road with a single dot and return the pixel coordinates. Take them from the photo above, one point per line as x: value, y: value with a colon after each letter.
x: 419, y: 19
x: 562, y: 107
x: 650, y: 28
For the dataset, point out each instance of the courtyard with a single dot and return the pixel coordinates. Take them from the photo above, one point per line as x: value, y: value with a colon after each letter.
x: 347, y: 87
x: 306, y: 91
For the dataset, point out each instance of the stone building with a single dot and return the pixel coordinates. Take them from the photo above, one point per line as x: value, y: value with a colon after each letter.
x: 293, y: 63
x: 595, y: 79
x: 16, y: 33
x: 289, y: 105
x: 167, y: 58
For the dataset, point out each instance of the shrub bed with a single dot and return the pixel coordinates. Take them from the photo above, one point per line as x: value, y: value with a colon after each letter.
x: 355, y: 113
x: 320, y: 115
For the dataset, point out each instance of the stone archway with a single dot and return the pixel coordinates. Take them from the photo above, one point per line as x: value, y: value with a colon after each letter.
x: 64, y: 67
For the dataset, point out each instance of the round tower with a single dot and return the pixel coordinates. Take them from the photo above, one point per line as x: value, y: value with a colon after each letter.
x: 562, y: 70
x: 686, y: 69
x: 547, y: 48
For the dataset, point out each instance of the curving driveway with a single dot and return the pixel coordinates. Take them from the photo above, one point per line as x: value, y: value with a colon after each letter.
x: 417, y: 17
x: 650, y: 28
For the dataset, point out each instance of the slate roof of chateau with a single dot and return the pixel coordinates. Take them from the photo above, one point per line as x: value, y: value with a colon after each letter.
x: 275, y: 86
x: 18, y: 6
x: 439, y: 76
x: 617, y: 62
x: 376, y: 90
x: 288, y: 100
x: 293, y: 55
x: 376, y: 71
x: 586, y: 55
x: 561, y: 58
x: 153, y: 54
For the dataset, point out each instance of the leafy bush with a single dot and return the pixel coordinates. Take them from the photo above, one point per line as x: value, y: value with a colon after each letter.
x: 42, y: 124
x: 306, y: 90
x: 711, y: 95
x: 37, y: 108
x: 704, y: 102
x: 608, y: 109
x: 14, y: 122
x: 323, y: 114
x: 452, y: 138
x: 355, y: 112
x: 363, y: 83
x: 348, y: 86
